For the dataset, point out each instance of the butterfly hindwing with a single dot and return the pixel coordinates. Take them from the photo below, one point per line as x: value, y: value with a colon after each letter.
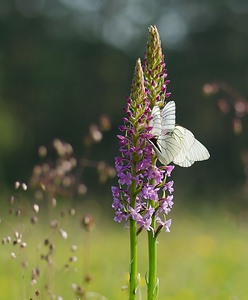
x: 191, y: 149
x: 198, y: 152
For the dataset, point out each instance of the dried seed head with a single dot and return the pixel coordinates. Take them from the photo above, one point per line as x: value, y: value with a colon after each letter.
x: 88, y: 278
x: 35, y: 273
x: 52, y: 247
x: 210, y: 88
x: 24, y: 264
x: 72, y: 211
x: 43, y: 187
x: 33, y: 282
x: 37, y: 293
x: 17, y: 241
x: 54, y: 202
x: 223, y: 105
x: 95, y: 133
x: 23, y: 245
x: 63, y: 233
x: 42, y: 151
x: 54, y: 224
x: 11, y: 200
x: 36, y: 208
x: 17, y: 185
x: 73, y: 248
x: 24, y: 186
x: 17, y: 235
x: 34, y: 219
x: 105, y: 123
x: 237, y: 126
x: 80, y: 291
x: 38, y: 195
x: 67, y: 181
x: 88, y: 222
x: 111, y: 172
x: 37, y: 170
x: 72, y: 259
x: 73, y: 162
x: 77, y: 289
x: 18, y: 212
x: 46, y: 242
x: 82, y: 189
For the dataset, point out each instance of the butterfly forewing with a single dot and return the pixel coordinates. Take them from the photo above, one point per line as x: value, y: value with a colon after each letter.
x: 168, y: 115
x: 156, y: 122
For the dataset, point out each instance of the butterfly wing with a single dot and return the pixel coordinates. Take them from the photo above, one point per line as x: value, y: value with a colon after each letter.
x: 166, y: 148
x: 191, y: 149
x: 198, y: 152
x: 168, y: 115
x: 163, y: 123
x: 156, y: 122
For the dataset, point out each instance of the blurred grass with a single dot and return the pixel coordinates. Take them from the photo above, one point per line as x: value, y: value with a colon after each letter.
x: 204, y: 257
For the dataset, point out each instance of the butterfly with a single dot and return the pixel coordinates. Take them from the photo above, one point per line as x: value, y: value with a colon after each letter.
x: 174, y: 143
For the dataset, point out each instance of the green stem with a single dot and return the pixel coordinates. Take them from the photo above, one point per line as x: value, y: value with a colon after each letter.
x: 133, y: 261
x: 152, y: 287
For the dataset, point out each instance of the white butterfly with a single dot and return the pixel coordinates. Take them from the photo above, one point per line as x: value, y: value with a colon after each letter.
x: 174, y: 143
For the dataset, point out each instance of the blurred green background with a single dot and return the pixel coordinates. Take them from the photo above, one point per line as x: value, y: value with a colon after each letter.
x: 63, y: 63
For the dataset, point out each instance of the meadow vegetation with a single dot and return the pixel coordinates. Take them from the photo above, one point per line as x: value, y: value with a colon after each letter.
x: 78, y: 252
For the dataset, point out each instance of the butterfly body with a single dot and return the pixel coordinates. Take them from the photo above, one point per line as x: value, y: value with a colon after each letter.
x: 174, y: 143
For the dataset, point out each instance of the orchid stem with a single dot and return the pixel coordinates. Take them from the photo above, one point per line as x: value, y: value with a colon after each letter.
x: 133, y: 260
x: 152, y: 272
